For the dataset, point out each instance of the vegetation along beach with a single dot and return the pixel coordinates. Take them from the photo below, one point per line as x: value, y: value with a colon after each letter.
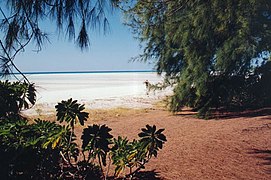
x: 152, y: 90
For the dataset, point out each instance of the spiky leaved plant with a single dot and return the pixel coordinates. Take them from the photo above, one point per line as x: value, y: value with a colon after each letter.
x: 96, y: 140
x: 16, y: 96
x: 71, y: 112
x: 137, y: 153
x: 152, y: 141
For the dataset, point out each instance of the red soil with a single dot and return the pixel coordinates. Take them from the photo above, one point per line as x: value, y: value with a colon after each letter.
x: 228, y: 148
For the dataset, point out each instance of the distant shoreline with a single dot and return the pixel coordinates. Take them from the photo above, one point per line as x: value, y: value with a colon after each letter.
x: 88, y: 72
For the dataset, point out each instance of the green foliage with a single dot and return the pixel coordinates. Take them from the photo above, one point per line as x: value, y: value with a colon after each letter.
x: 96, y: 140
x: 137, y: 153
x: 207, y: 47
x: 123, y: 154
x: 16, y: 96
x: 30, y: 150
x: 70, y: 111
x: 152, y: 140
x: 47, y: 150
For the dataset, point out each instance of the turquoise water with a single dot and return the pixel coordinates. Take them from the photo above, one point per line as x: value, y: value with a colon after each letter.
x: 89, y: 72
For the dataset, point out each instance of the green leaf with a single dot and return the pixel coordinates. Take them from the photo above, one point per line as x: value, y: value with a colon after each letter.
x: 96, y: 140
x: 69, y: 111
x: 152, y: 140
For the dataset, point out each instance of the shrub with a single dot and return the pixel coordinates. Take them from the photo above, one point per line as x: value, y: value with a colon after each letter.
x: 234, y: 92
x: 47, y: 150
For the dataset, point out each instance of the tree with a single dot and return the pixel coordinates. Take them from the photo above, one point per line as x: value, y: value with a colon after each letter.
x: 212, y: 50
x: 22, y: 22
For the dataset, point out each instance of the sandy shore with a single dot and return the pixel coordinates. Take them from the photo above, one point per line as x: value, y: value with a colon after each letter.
x: 96, y: 91
x: 134, y: 102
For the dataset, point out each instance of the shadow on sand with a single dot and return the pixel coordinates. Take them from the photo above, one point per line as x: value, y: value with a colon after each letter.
x: 265, y: 155
x: 230, y: 114
x: 243, y: 113
x: 143, y: 175
x: 148, y: 175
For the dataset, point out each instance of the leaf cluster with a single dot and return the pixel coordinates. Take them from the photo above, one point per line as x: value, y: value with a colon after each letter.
x: 96, y: 140
x: 136, y: 153
x: 16, y: 96
x: 30, y: 150
x: 70, y: 111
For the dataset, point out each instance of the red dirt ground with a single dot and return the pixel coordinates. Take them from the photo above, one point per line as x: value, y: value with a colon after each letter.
x: 237, y: 147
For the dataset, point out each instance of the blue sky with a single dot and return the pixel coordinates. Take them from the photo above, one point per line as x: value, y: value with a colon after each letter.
x: 107, y: 52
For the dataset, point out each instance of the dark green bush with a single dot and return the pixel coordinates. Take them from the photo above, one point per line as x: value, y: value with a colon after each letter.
x: 15, y: 96
x: 24, y: 152
x: 235, y: 92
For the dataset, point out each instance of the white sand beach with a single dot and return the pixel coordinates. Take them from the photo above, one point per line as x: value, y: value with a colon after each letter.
x: 96, y: 90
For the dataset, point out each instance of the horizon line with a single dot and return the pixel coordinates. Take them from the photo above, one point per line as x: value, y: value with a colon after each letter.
x: 82, y: 72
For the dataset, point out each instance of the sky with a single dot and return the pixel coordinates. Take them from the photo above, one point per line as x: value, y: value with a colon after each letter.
x: 107, y: 52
